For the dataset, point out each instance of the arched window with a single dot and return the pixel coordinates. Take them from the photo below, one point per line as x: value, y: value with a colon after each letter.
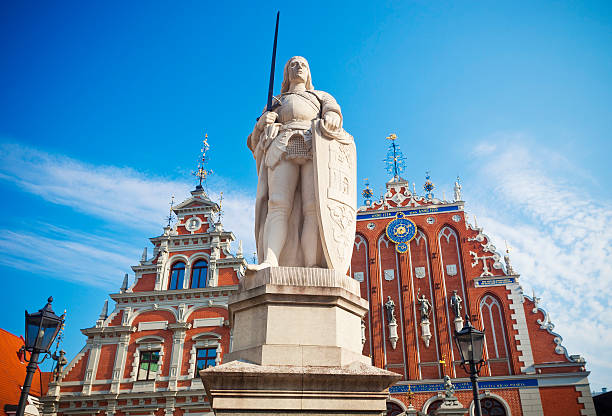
x: 177, y: 273
x: 492, y: 407
x: 199, y: 271
x: 495, y: 336
x: 433, y: 406
x: 394, y: 409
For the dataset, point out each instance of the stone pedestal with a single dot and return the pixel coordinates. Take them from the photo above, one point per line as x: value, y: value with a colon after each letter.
x: 297, y: 349
x: 451, y: 407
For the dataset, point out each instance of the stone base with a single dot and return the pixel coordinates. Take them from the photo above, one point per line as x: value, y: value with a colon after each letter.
x: 296, y: 349
x: 451, y: 407
x: 239, y: 389
x: 297, y: 316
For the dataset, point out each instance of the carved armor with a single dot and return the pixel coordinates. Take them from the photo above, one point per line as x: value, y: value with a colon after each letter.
x: 291, y: 136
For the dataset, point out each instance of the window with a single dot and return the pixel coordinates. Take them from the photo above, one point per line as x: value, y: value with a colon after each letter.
x: 198, y: 274
x: 149, y: 365
x: 491, y: 407
x: 393, y: 409
x: 177, y: 273
x: 205, y: 357
x: 433, y: 406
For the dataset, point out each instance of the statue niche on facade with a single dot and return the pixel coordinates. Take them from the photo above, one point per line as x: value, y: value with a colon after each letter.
x: 306, y: 202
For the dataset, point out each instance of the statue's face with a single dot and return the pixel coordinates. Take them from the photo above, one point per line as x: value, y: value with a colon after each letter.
x: 298, y: 70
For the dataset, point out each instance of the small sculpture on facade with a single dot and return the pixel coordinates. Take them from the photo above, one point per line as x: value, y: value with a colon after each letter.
x: 390, y: 309
x: 61, y: 363
x: 449, y: 389
x: 455, y: 302
x: 424, y: 307
x: 392, y: 322
x: 457, y: 190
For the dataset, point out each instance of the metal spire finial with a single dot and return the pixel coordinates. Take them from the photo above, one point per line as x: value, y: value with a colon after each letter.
x: 367, y: 193
x: 509, y: 268
x: 170, y: 213
x: 395, y: 160
x: 220, y: 207
x: 202, y: 173
x: 428, y: 186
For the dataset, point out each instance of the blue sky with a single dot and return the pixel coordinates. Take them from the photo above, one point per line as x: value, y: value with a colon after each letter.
x: 103, y: 106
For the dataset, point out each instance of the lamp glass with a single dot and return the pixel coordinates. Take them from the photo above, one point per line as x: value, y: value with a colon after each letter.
x: 470, y: 342
x: 31, y: 333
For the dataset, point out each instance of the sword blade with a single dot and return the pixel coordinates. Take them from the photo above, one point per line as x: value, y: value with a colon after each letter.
x: 272, y: 67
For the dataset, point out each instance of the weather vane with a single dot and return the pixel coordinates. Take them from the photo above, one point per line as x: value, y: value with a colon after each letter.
x: 367, y: 193
x: 170, y: 213
x: 395, y: 160
x: 202, y: 173
x: 428, y: 186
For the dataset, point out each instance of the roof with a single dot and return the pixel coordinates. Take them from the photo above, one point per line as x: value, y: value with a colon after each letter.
x: 13, y: 371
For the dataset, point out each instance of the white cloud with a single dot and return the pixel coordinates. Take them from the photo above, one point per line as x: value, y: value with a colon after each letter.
x: 558, y: 233
x: 67, y: 255
x: 123, y: 197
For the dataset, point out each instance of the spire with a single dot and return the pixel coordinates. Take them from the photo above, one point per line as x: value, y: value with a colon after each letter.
x: 509, y: 268
x: 367, y: 194
x: 395, y: 160
x: 202, y: 173
x: 220, y: 216
x: 144, y: 256
x: 239, y: 252
x: 170, y: 213
x: 124, y: 285
x: 103, y: 314
x: 428, y: 186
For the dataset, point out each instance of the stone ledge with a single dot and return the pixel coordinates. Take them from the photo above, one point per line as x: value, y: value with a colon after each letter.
x: 240, y: 388
x: 300, y: 276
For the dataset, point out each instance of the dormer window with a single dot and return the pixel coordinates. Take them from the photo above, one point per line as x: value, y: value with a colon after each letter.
x: 199, y: 272
x: 177, y: 274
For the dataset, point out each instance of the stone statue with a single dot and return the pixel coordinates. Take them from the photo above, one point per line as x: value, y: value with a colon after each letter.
x: 457, y: 190
x: 390, y: 309
x: 306, y: 198
x: 425, y: 307
x: 449, y: 389
x: 455, y: 302
x: 61, y: 363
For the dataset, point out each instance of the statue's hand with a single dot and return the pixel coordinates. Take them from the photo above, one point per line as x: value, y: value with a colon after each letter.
x: 332, y: 120
x: 268, y: 117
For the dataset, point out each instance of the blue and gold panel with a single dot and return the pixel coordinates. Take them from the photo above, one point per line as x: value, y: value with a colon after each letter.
x: 401, y: 230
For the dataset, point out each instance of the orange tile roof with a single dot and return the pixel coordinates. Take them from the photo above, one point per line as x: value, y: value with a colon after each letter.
x: 13, y: 372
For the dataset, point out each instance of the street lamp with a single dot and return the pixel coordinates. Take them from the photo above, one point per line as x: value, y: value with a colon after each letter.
x: 41, y: 328
x: 471, y: 343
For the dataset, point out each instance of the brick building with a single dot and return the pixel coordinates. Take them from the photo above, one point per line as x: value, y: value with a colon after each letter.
x: 142, y: 358
x: 528, y: 371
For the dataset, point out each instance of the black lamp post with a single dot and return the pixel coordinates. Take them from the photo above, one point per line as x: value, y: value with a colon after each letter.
x: 41, y: 328
x: 471, y: 343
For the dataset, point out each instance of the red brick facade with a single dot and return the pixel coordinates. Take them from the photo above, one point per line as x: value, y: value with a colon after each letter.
x: 528, y: 371
x: 448, y: 254
x: 172, y: 319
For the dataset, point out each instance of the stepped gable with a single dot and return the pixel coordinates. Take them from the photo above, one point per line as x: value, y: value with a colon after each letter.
x: 167, y: 321
x: 448, y: 255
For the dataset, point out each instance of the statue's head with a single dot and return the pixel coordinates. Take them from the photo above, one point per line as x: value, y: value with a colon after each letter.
x: 296, y: 69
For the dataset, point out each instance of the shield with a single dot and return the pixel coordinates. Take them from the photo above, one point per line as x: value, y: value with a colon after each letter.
x: 335, y: 170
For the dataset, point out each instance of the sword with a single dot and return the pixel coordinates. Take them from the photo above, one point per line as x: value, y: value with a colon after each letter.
x: 272, y: 66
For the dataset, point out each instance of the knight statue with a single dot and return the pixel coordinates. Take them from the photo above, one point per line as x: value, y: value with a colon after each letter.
x: 306, y: 165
